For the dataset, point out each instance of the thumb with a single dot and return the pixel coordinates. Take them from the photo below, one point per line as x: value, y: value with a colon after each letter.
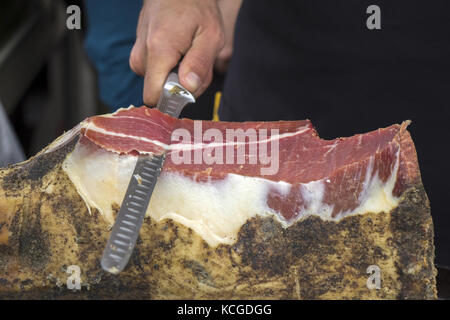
x: 196, y: 67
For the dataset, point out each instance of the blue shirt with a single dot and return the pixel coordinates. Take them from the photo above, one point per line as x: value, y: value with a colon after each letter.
x: 111, y: 33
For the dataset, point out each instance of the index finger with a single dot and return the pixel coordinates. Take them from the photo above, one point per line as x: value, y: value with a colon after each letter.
x: 160, y: 60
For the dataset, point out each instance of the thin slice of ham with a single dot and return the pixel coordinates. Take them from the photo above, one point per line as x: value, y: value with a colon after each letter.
x: 331, y: 179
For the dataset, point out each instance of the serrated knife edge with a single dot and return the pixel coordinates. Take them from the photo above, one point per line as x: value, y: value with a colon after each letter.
x: 132, y: 212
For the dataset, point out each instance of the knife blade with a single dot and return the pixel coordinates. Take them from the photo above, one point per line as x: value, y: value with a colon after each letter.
x: 120, y: 245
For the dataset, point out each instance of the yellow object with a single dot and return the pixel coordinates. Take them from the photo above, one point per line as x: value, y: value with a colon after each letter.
x: 216, y: 106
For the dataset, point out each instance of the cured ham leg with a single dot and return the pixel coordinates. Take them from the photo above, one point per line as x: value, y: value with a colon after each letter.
x: 241, y: 210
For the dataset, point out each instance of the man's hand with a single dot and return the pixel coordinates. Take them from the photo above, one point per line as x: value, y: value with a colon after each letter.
x: 170, y: 29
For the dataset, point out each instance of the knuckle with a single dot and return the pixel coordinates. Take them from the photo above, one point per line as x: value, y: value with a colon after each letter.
x: 215, y: 28
x: 155, y: 40
x: 225, y: 53
x: 202, y: 64
x: 136, y: 62
x: 218, y: 35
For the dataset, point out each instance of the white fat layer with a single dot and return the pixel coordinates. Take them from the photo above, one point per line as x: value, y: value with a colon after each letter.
x: 101, y: 178
x: 215, y: 210
x: 312, y: 194
x: 377, y: 196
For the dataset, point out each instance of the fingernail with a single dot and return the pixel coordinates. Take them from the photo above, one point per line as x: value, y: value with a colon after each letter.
x: 193, y: 81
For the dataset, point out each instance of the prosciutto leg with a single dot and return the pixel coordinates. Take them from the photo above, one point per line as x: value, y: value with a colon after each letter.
x: 241, y: 210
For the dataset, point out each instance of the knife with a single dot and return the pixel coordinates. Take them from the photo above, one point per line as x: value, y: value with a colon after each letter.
x: 173, y: 99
